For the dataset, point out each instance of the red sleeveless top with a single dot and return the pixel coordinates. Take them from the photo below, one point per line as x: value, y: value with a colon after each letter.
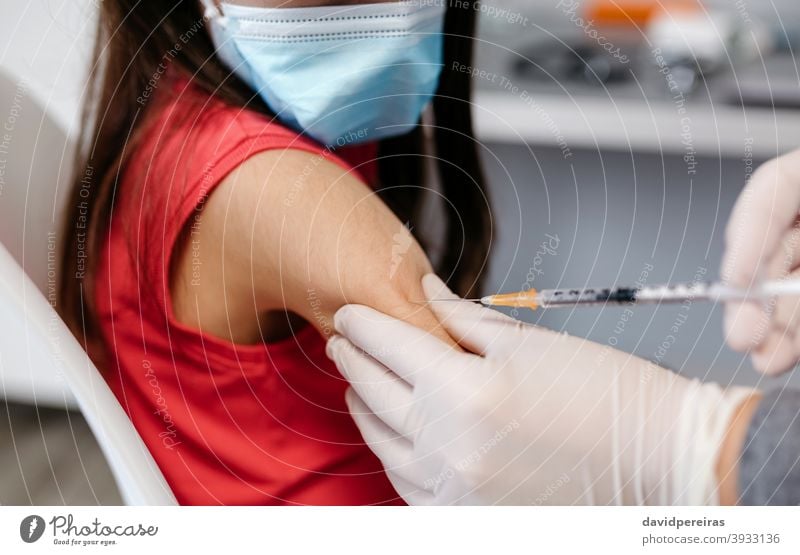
x: 226, y: 423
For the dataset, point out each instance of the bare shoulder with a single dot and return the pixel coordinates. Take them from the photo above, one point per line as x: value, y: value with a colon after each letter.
x: 294, y: 231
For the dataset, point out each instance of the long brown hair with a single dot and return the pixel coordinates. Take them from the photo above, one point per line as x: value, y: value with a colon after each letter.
x: 134, y: 39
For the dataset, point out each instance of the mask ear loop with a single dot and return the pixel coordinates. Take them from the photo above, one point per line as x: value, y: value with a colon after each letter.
x: 213, y: 11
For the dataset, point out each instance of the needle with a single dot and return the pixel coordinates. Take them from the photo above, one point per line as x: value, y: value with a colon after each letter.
x: 454, y: 300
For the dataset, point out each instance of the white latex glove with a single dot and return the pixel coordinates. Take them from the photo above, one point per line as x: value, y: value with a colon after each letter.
x: 535, y: 417
x: 763, y: 242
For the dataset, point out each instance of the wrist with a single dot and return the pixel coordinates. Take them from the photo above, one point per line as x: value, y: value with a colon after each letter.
x: 727, y: 467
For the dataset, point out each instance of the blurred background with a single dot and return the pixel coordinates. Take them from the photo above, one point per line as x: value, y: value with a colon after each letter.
x: 617, y: 136
x: 627, y: 129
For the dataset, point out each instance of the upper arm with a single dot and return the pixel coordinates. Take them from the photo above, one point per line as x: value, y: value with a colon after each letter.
x: 297, y: 232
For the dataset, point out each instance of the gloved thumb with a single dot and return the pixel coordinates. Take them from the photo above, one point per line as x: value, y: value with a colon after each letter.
x: 472, y: 326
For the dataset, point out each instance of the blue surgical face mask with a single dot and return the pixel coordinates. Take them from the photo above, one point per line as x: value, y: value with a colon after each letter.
x: 342, y: 74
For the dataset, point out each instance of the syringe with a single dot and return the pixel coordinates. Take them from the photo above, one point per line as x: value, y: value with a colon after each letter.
x: 676, y: 293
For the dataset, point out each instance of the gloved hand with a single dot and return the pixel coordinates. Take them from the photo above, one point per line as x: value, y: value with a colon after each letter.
x: 528, y: 416
x: 763, y: 242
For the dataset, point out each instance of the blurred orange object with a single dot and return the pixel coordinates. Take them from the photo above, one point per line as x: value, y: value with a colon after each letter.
x: 633, y: 13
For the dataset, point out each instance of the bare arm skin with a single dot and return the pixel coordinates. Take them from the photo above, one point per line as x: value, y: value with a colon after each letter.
x: 731, y: 450
x: 289, y: 231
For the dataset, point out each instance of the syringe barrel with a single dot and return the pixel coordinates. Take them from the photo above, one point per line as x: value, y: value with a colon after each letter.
x: 626, y: 295
x: 588, y: 296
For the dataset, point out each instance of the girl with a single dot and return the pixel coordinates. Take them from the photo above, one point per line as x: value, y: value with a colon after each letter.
x: 246, y: 169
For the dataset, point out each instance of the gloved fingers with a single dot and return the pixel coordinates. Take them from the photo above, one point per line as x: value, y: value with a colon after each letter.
x: 474, y: 327
x: 395, y: 452
x: 405, y: 349
x: 749, y: 324
x: 786, y: 310
x: 780, y: 349
x: 765, y: 210
x: 785, y: 259
x: 777, y: 354
x: 746, y: 324
x: 384, y: 393
x: 410, y: 493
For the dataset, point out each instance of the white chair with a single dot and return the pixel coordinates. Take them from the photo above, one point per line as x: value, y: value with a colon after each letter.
x: 36, y: 174
x: 40, y: 361
x: 33, y: 336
